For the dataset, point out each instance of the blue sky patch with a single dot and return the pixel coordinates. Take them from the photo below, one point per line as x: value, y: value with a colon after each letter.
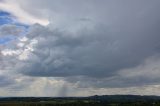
x: 4, y: 40
x: 2, y: 13
x: 7, y: 18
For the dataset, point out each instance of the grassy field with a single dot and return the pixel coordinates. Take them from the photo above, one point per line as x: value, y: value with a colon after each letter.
x: 115, y: 100
x: 49, y: 104
x: 75, y: 103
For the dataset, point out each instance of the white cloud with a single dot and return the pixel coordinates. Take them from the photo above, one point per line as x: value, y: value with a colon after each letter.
x: 10, y: 52
x: 24, y: 49
x: 15, y: 9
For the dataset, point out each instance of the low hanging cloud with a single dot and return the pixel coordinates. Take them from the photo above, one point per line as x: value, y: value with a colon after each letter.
x: 99, y: 47
x: 97, y: 53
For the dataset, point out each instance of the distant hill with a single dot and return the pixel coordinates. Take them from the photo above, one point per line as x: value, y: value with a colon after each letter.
x: 125, y: 98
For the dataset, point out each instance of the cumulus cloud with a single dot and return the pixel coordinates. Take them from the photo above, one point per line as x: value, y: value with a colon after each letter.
x: 96, y: 52
x: 89, y: 45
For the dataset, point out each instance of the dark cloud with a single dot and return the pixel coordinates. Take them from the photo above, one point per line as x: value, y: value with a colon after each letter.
x: 95, y: 53
x: 6, y: 81
x: 95, y: 40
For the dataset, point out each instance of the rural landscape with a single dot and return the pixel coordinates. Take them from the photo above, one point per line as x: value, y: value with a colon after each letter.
x: 105, y: 100
x: 79, y: 52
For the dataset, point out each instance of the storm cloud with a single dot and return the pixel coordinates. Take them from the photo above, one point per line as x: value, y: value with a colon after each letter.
x: 110, y: 40
x: 93, y: 44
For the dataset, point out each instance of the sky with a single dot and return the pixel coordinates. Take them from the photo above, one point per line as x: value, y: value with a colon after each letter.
x: 79, y: 48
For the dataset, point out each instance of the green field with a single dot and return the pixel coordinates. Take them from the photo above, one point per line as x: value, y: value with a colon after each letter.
x: 106, y: 100
x: 76, y: 103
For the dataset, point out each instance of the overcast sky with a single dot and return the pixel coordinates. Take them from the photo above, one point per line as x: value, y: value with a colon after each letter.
x: 79, y: 47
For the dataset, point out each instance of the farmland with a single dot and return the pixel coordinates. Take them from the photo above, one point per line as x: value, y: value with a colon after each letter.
x: 106, y: 100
